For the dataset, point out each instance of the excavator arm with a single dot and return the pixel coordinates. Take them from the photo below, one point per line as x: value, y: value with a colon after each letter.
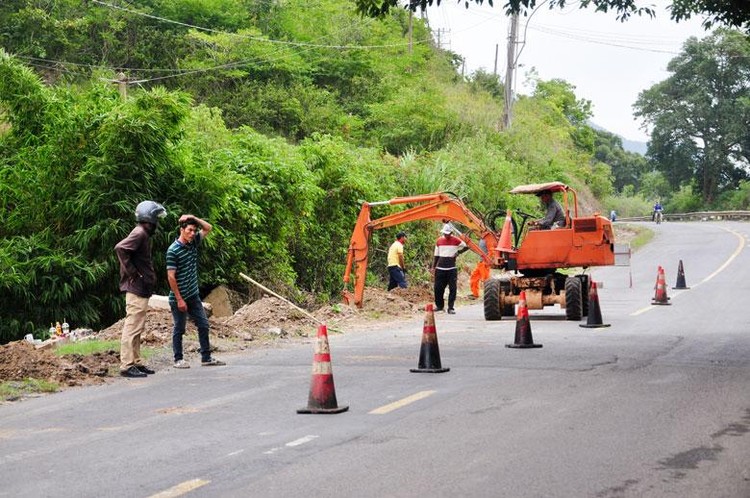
x: 441, y: 207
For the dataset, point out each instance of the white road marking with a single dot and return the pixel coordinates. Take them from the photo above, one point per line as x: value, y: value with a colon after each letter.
x: 740, y: 247
x: 292, y: 444
x: 737, y: 251
x: 235, y: 452
x: 401, y: 403
x: 301, y: 440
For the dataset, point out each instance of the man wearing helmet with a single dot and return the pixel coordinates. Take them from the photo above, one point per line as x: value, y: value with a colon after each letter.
x: 444, y: 270
x: 137, y: 281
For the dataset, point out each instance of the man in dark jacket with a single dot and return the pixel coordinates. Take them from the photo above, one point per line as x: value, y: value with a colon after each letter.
x: 137, y: 281
x: 554, y: 216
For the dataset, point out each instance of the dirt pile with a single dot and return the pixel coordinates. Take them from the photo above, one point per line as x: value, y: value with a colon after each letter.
x: 21, y: 360
x: 267, y: 322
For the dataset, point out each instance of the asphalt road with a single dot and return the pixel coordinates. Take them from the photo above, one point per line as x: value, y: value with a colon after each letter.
x: 656, y: 405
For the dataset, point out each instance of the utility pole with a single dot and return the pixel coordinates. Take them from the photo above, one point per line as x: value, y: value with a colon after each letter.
x: 122, y: 85
x: 495, y: 70
x: 411, y: 15
x: 441, y: 41
x: 508, y: 110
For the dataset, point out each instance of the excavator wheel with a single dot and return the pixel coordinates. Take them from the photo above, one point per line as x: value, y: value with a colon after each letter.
x: 496, y: 292
x: 492, y: 299
x: 573, y: 299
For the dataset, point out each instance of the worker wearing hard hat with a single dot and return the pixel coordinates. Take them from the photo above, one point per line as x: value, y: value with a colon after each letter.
x: 444, y: 269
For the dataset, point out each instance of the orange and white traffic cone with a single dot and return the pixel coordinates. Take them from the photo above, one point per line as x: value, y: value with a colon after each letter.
x: 594, y: 318
x: 505, y: 243
x: 523, y: 339
x: 429, y: 352
x: 680, y: 284
x: 322, y: 392
x: 660, y: 297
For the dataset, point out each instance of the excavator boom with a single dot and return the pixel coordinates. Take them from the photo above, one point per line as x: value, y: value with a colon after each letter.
x: 441, y: 207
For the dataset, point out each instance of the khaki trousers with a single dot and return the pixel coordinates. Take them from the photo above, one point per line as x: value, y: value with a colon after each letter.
x: 135, y: 323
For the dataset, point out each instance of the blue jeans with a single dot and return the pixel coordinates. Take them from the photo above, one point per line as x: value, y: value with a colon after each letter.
x: 398, y: 279
x: 198, y: 315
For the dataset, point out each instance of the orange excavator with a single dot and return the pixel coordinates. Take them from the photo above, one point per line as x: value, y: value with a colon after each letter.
x: 529, y: 259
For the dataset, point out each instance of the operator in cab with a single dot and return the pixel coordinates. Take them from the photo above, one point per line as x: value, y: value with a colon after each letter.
x: 554, y: 218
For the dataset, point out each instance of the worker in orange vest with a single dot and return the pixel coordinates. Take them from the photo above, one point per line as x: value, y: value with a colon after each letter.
x: 480, y: 274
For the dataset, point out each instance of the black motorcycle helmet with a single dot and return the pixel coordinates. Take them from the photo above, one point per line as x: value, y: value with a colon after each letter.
x: 149, y: 212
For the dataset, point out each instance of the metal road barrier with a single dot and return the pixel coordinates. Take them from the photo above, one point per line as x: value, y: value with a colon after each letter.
x: 697, y: 216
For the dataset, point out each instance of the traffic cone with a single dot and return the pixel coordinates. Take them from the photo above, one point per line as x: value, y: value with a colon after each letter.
x: 322, y: 392
x: 680, y: 284
x: 660, y: 297
x: 429, y: 352
x: 523, y: 337
x: 505, y: 244
x: 594, y: 319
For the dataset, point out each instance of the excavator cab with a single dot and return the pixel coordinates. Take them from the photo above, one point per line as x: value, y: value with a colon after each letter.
x: 581, y: 242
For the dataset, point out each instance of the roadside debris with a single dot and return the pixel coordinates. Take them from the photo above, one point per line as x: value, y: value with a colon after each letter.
x: 267, y: 322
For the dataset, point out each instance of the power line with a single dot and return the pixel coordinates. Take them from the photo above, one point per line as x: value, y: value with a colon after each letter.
x: 259, y: 38
x: 600, y: 41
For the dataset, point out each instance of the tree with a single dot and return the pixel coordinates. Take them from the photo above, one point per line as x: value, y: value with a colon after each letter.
x: 561, y: 96
x: 627, y: 167
x: 734, y: 13
x: 701, y: 114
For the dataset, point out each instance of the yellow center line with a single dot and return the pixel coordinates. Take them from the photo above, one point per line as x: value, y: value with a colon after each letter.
x: 737, y: 251
x: 401, y: 403
x: 181, y: 489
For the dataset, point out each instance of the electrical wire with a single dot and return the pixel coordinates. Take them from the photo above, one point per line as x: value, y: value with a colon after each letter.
x: 175, y: 72
x: 260, y: 38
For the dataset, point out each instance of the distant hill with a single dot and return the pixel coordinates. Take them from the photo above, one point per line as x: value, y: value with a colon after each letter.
x: 628, y: 145
x: 634, y: 146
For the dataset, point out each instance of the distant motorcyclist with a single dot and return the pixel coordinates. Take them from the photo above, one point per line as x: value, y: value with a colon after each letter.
x: 656, y: 215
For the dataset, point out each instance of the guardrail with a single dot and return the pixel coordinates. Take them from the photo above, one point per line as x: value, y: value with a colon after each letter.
x: 697, y: 216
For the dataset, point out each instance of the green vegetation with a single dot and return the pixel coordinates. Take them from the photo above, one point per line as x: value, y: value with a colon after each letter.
x: 14, y: 389
x: 92, y: 346
x: 643, y: 236
x: 700, y: 115
x: 274, y: 121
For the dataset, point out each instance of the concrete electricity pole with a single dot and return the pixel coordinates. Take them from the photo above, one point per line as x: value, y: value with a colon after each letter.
x: 509, y: 72
x: 496, y: 48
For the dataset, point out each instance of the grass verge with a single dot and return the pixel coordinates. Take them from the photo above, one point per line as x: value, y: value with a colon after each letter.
x: 642, y: 237
x: 85, y: 348
x: 95, y: 346
x: 13, y: 390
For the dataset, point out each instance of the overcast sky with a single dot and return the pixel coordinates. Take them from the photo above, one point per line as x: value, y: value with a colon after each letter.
x: 609, y: 62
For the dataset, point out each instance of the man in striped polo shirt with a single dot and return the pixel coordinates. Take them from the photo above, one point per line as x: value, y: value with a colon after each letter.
x: 184, y: 300
x: 444, y: 268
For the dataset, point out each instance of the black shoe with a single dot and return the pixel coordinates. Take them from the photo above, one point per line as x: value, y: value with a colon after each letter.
x: 145, y: 369
x: 451, y: 311
x: 438, y: 309
x: 132, y: 372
